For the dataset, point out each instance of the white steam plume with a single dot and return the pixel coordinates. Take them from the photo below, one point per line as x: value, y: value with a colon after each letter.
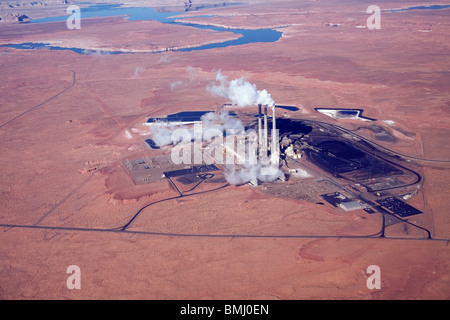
x: 137, y: 71
x: 252, y: 173
x: 98, y: 53
x: 175, y: 84
x: 162, y: 131
x: 222, y: 121
x: 240, y: 92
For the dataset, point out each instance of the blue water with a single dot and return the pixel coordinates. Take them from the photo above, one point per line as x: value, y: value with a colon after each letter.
x: 247, y: 36
x: 290, y: 108
x: 134, y: 14
x: 435, y: 7
x: 184, y: 116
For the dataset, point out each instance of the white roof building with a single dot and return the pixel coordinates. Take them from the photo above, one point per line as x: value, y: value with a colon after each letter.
x: 351, y: 205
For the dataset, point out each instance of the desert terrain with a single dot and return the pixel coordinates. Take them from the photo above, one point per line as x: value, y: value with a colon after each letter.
x: 68, y: 121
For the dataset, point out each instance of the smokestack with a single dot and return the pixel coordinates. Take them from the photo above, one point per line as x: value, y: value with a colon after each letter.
x: 274, y: 151
x: 266, y: 144
x: 274, y: 122
x: 260, y: 134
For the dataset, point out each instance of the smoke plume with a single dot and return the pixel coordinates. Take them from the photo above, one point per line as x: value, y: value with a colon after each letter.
x: 240, y: 92
x: 137, y: 71
x: 162, y: 133
x: 175, y: 84
x: 222, y: 121
x: 98, y: 53
x: 252, y: 173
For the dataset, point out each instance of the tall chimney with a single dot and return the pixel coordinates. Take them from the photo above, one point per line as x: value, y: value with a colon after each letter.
x: 260, y: 133
x: 266, y: 144
x: 274, y: 122
x: 274, y: 150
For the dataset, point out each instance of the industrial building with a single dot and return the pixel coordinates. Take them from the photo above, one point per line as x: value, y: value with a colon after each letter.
x: 350, y: 205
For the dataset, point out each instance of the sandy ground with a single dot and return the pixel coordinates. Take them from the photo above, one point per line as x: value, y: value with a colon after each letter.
x: 135, y: 36
x: 66, y: 124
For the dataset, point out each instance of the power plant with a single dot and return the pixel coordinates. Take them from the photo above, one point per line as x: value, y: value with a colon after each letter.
x: 314, y: 156
x: 248, y: 154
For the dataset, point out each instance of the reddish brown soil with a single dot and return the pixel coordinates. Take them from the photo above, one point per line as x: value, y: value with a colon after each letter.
x: 114, y: 34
